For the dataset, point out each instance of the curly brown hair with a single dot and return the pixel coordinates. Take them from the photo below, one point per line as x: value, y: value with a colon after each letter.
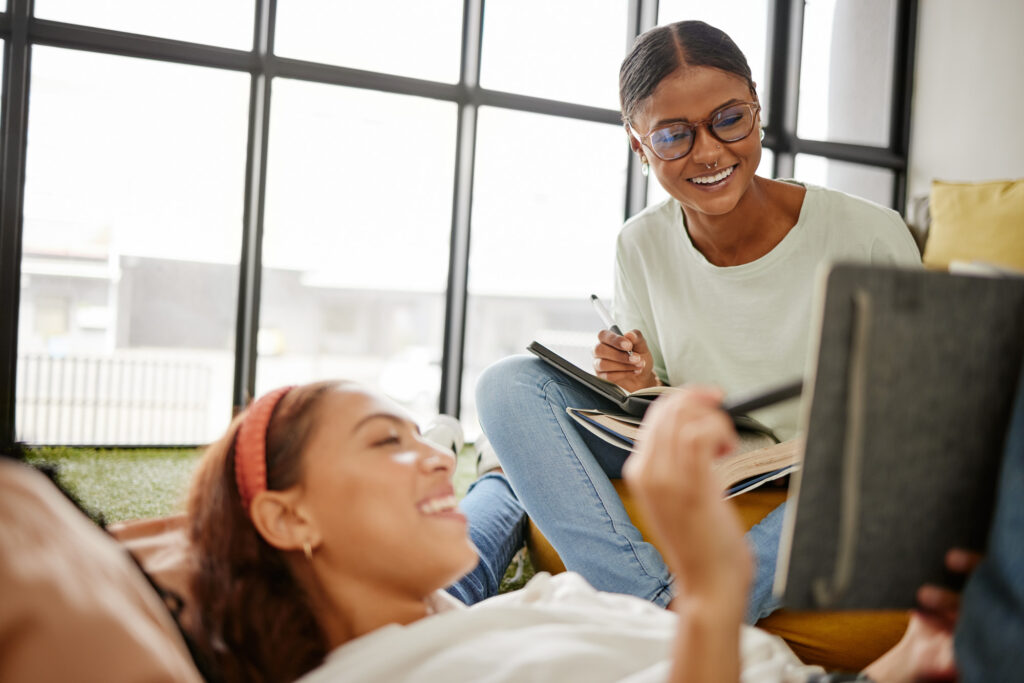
x: 252, y: 620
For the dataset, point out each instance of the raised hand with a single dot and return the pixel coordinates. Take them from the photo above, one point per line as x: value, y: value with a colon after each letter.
x: 700, y: 534
x: 614, y: 362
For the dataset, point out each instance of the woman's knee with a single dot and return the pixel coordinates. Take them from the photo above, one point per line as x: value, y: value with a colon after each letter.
x: 506, y: 380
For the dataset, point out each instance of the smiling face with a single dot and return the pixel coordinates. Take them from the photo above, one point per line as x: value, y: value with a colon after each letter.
x: 692, y: 94
x: 381, y: 497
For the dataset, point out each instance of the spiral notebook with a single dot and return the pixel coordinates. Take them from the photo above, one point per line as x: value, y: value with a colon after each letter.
x: 913, y: 381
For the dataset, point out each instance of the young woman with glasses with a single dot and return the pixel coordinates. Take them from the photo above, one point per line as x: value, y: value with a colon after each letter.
x: 714, y: 285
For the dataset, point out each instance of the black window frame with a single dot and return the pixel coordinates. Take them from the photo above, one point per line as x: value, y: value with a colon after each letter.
x: 20, y: 30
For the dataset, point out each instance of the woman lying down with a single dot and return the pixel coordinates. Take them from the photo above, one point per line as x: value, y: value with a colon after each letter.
x: 327, y: 527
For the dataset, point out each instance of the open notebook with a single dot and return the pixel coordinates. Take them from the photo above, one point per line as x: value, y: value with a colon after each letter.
x: 912, y: 387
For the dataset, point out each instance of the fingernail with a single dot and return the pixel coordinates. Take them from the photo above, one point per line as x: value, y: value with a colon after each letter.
x: 636, y: 359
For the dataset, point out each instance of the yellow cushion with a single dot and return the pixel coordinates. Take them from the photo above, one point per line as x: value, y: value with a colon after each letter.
x: 976, y: 222
x: 847, y: 641
x: 751, y: 506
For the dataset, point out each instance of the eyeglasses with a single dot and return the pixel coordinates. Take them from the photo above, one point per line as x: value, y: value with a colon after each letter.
x: 731, y: 123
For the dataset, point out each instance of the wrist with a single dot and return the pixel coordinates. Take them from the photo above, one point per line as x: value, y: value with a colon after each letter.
x: 713, y: 608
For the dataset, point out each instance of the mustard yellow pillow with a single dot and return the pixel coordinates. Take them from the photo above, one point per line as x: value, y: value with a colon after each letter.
x: 976, y: 222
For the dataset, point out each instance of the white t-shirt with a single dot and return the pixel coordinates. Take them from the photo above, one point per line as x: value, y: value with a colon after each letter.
x: 744, y: 327
x: 555, y: 629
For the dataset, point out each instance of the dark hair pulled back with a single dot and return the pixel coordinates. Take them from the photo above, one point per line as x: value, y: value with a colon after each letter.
x: 662, y: 50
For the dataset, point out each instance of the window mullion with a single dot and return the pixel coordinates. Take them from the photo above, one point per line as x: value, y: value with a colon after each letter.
x: 456, y: 293
x: 902, y: 95
x: 251, y: 262
x: 785, y: 33
x: 17, y: 58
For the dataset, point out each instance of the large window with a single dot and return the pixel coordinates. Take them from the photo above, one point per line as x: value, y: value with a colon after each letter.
x: 227, y: 23
x: 403, y: 37
x: 132, y: 227
x: 568, y: 50
x: 205, y: 200
x: 543, y: 236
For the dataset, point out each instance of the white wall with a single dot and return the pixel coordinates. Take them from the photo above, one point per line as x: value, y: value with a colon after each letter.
x: 967, y: 85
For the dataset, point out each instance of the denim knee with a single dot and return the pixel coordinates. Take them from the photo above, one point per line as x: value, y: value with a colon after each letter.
x: 496, y: 388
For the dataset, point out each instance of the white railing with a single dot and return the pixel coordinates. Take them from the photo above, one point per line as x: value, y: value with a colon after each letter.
x: 130, y: 399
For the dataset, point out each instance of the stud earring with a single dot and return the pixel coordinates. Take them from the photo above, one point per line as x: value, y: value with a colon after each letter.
x: 762, y: 135
x: 645, y: 167
x: 307, y: 548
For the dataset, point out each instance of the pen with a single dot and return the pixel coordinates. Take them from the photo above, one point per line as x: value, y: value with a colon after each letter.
x: 738, y: 405
x: 606, y: 317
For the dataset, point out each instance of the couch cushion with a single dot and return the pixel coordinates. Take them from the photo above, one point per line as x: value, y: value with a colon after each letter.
x: 75, y: 607
x: 976, y: 222
x: 161, y: 547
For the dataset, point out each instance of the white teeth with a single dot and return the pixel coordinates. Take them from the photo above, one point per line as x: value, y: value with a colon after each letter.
x: 708, y: 179
x: 436, y: 505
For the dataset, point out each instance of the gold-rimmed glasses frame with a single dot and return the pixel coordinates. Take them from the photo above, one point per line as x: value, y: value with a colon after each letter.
x: 753, y: 108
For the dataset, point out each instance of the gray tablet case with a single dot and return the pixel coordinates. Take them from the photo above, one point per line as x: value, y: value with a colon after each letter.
x: 912, y: 388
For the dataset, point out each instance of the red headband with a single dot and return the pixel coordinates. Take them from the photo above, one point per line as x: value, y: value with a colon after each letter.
x: 251, y: 446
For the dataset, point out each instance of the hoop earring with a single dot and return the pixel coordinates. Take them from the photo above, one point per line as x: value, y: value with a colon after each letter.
x: 645, y: 166
x: 307, y: 548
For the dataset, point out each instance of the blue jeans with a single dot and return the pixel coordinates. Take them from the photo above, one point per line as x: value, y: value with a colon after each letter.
x: 497, y: 527
x: 563, y: 475
x: 989, y: 638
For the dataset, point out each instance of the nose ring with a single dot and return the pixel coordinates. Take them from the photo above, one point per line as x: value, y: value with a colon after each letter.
x: 709, y: 166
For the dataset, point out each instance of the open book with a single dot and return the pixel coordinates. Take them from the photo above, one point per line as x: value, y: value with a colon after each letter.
x: 758, y: 458
x: 914, y: 379
x: 635, y: 403
x: 632, y: 403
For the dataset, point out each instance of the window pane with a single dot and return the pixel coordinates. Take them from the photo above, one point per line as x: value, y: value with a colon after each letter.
x: 227, y: 23
x: 544, y: 232
x: 355, y: 250
x: 133, y: 212
x: 569, y: 50
x: 747, y: 28
x: 847, y: 61
x: 404, y: 37
x: 656, y: 193
x: 869, y: 182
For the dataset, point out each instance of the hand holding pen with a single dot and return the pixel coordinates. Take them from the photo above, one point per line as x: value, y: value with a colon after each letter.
x: 622, y: 358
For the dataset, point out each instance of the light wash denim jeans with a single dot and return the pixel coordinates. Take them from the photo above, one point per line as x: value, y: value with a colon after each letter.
x: 563, y: 475
x: 497, y: 527
x: 989, y: 638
